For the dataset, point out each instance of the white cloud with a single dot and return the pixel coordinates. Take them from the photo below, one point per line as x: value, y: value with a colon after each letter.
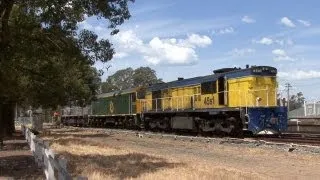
x: 299, y: 75
x: 162, y: 51
x: 304, y: 22
x: 242, y: 52
x: 195, y: 39
x: 279, y: 52
x: 281, y: 55
x: 128, y: 40
x: 168, y: 52
x: 120, y: 55
x: 247, y: 19
x: 287, y: 22
x: 265, y: 41
x: 223, y: 31
x: 283, y: 58
x: 227, y: 30
x: 270, y: 41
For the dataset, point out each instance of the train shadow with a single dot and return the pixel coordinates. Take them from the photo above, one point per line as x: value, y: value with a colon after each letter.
x: 126, y: 166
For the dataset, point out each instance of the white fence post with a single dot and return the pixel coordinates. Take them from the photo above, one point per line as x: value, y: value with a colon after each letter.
x: 50, y: 166
x: 63, y: 165
x: 46, y: 158
x: 32, y: 146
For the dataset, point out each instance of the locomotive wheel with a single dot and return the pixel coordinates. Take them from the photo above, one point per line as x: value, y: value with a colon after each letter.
x: 237, y: 128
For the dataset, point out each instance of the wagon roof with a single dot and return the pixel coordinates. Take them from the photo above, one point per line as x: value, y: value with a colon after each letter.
x: 125, y: 91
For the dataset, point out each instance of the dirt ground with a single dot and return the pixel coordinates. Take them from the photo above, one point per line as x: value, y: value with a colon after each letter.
x: 16, y: 160
x: 125, y: 156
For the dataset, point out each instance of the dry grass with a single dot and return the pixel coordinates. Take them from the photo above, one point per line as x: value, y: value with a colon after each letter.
x: 101, y: 156
x: 102, y: 160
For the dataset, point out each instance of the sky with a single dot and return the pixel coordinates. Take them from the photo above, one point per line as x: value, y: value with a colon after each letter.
x: 192, y: 38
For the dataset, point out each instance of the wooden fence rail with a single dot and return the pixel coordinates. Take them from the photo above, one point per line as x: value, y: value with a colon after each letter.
x: 54, y: 167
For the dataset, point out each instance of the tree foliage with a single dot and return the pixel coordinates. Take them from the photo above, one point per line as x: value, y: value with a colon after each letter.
x: 129, y: 78
x: 44, y: 59
x: 296, y: 101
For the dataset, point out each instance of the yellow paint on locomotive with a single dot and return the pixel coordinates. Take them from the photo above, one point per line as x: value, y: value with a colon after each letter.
x: 252, y: 91
x: 241, y: 92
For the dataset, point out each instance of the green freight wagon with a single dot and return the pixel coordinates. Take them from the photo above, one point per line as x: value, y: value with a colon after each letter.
x: 115, y: 103
x: 114, y: 108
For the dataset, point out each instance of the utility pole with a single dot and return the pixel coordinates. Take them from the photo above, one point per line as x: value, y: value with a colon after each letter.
x: 288, y: 86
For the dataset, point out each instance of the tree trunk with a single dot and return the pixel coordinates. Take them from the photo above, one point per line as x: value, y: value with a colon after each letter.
x: 1, y: 125
x: 11, y: 118
x: 7, y: 119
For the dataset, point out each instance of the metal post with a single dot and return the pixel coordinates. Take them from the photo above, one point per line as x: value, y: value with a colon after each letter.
x: 193, y: 102
x: 314, y: 108
x: 288, y: 86
x: 275, y: 96
x: 246, y: 101
x: 163, y: 100
x: 177, y: 103
x: 182, y: 102
x: 156, y: 105
x: 267, y: 96
x: 305, y: 108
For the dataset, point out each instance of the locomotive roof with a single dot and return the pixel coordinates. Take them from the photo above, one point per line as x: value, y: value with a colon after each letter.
x: 125, y: 91
x: 229, y: 73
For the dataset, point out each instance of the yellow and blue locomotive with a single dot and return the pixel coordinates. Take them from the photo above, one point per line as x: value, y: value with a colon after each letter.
x: 232, y: 100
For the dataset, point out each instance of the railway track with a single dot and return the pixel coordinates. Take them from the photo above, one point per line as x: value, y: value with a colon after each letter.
x: 296, y: 138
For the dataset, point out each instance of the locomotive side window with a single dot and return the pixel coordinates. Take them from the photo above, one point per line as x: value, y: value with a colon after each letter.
x: 141, y: 94
x: 214, y: 86
x: 208, y: 88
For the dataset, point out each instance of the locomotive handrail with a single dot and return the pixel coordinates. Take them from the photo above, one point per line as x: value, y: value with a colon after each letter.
x: 144, y: 102
x: 179, y: 100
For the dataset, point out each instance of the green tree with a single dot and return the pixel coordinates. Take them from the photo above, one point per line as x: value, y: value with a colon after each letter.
x: 129, y: 78
x: 296, y: 101
x: 143, y: 76
x: 44, y: 59
x: 120, y: 80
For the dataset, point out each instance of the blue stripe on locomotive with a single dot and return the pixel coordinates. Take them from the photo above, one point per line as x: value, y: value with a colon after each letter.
x: 268, y: 118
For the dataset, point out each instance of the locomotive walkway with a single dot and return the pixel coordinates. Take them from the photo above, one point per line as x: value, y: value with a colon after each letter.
x: 16, y: 160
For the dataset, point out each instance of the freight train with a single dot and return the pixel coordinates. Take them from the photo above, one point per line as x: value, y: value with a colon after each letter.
x: 229, y: 101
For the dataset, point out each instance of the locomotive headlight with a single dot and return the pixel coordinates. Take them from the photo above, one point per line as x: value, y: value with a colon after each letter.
x: 258, y: 101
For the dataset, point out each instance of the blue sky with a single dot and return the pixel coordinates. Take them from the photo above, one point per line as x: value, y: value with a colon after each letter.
x: 188, y: 38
